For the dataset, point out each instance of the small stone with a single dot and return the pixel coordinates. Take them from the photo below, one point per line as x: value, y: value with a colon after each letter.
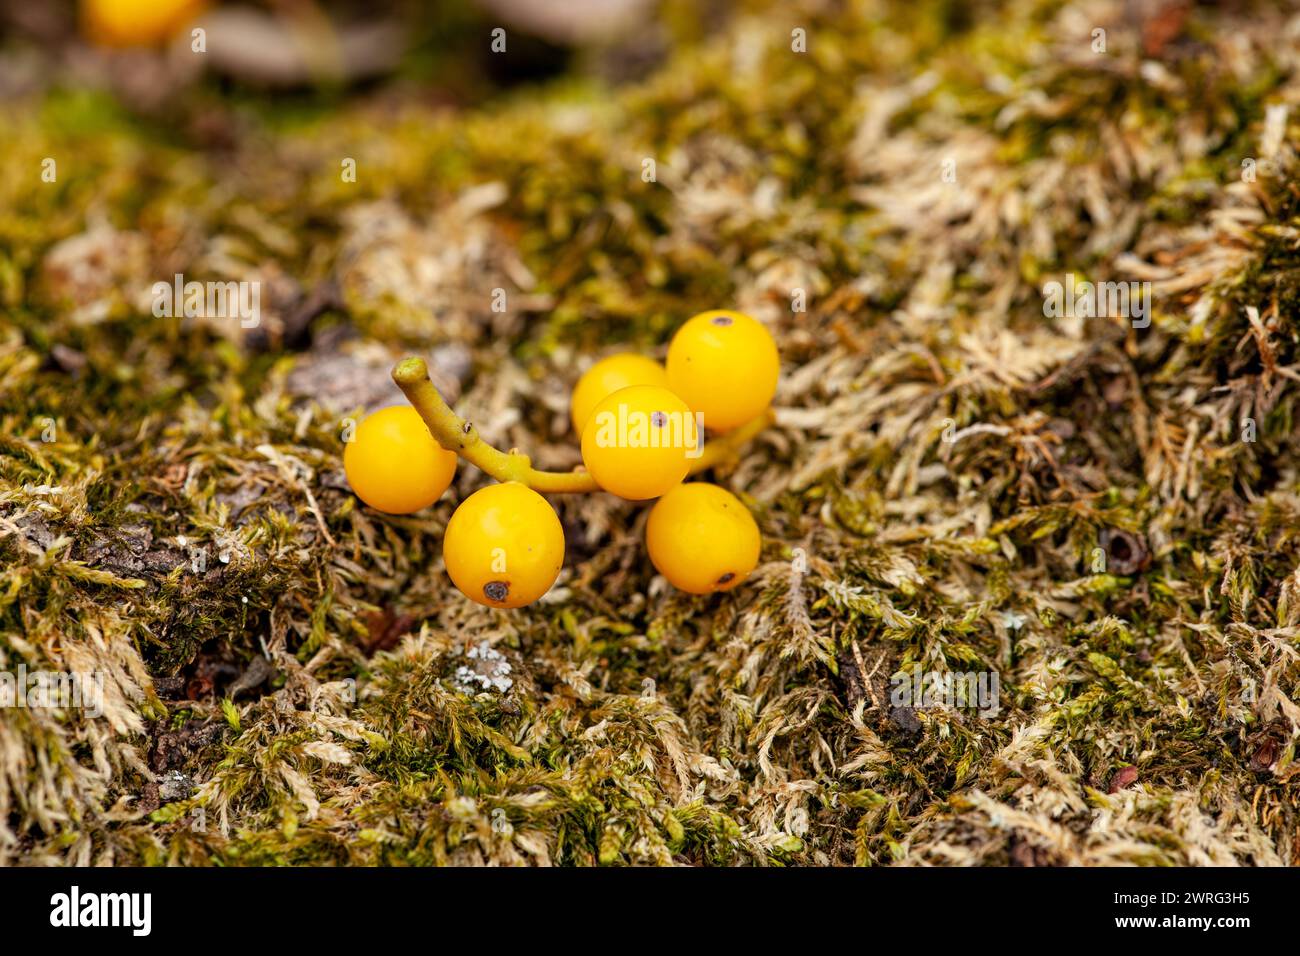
x: 489, y: 671
x: 174, y: 785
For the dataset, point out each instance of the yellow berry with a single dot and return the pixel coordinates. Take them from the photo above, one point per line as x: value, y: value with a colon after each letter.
x: 504, y: 546
x: 724, y: 365
x: 639, y: 441
x: 136, y: 22
x: 393, y: 463
x: 608, y: 376
x: 702, y: 539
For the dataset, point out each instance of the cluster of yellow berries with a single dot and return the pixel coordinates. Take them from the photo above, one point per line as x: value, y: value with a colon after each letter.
x: 641, y: 424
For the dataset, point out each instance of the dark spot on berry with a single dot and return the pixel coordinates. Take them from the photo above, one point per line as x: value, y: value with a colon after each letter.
x: 496, y: 591
x: 723, y: 320
x: 726, y: 577
x: 658, y: 419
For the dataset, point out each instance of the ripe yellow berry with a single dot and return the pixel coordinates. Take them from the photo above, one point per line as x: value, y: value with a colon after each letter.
x: 608, y: 376
x: 504, y: 546
x: 136, y: 22
x: 725, y: 365
x: 702, y: 539
x: 639, y: 441
x: 393, y: 463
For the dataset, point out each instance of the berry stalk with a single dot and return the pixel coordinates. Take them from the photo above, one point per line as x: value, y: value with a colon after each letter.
x: 457, y: 435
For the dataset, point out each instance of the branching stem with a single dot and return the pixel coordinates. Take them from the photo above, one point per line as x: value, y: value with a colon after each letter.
x: 455, y: 434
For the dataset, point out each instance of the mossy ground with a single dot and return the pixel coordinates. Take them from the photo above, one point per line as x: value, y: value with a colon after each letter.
x: 292, y: 678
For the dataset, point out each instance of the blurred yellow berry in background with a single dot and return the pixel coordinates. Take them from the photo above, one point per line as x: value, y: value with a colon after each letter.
x: 725, y: 365
x: 394, y: 465
x: 504, y: 546
x: 702, y: 538
x: 639, y: 441
x: 608, y: 376
x: 124, y: 23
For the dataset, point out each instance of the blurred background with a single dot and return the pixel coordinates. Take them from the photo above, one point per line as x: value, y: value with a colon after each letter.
x: 315, y: 51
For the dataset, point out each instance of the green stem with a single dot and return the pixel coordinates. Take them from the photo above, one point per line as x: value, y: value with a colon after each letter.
x: 455, y: 434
